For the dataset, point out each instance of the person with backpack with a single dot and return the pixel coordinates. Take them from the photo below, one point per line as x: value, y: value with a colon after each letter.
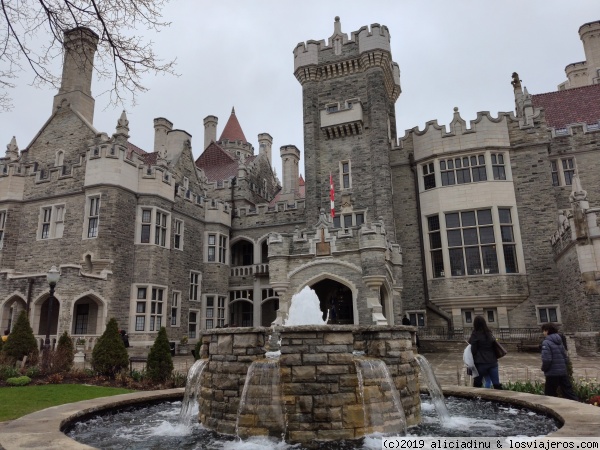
x: 482, y: 346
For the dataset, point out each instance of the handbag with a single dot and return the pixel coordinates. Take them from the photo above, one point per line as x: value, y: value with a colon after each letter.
x: 499, y: 350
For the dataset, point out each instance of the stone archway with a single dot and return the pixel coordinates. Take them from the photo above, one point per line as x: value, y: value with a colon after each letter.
x: 335, y: 299
x: 241, y: 313
x: 43, y: 307
x: 268, y: 309
x: 10, y: 311
x: 87, y: 317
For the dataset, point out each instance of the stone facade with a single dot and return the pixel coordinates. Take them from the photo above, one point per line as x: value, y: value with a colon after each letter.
x: 441, y: 224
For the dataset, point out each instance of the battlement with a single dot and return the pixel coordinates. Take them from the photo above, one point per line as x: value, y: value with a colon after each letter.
x: 484, y: 131
x: 368, y: 39
x: 589, y: 27
x: 265, y: 208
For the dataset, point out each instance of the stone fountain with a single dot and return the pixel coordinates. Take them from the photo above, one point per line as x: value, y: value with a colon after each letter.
x: 319, y: 392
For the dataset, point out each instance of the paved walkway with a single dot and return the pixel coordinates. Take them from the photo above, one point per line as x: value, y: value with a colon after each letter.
x: 515, y: 366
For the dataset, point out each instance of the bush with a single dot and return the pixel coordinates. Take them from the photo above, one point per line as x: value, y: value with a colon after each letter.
x: 33, y: 372
x: 21, y: 341
x: 8, y: 372
x: 62, y: 360
x: 18, y: 381
x: 160, y: 364
x: 109, y: 356
x: 197, y: 350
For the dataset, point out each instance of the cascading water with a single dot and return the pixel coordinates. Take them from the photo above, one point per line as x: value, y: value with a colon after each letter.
x: 383, y: 410
x: 261, y: 403
x: 192, y: 390
x: 435, y: 391
x: 305, y: 309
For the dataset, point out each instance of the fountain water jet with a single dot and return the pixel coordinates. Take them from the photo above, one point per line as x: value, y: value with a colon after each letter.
x: 192, y: 389
x: 261, y: 403
x: 382, y: 406
x: 435, y: 391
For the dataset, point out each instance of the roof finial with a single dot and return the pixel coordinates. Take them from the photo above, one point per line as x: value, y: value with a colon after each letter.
x: 337, y: 26
x: 12, y: 149
x: 233, y: 110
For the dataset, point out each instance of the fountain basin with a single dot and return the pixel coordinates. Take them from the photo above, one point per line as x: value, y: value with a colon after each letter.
x: 44, y: 429
x: 320, y: 392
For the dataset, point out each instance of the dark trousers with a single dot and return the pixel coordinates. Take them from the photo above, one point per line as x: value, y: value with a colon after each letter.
x: 562, y: 381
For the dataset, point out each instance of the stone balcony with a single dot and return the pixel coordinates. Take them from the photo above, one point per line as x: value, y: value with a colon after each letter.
x: 251, y: 270
x: 346, y: 121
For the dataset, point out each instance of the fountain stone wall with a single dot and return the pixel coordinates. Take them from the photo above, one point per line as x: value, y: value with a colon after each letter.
x: 320, y: 391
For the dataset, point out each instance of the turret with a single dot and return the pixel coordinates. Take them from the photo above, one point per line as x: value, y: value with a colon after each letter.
x: 265, y: 141
x: 585, y: 73
x: 76, y: 85
x: 162, y: 127
x: 590, y: 36
x: 210, y: 130
x: 290, y: 156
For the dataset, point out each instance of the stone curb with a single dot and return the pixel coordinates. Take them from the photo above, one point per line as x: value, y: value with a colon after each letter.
x: 42, y: 429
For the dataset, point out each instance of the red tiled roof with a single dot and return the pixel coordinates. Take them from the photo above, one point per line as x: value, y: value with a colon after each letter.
x: 150, y: 158
x: 233, y: 130
x: 217, y: 163
x: 301, y: 192
x: 134, y: 148
x: 570, y: 106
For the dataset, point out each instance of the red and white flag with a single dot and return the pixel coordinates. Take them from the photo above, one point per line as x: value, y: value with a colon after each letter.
x: 331, y: 195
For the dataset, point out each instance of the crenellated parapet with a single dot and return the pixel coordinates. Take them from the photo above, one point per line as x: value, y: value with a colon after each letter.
x: 484, y: 131
x: 366, y: 48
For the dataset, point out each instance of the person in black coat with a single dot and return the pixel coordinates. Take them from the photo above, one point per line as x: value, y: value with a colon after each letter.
x: 125, y: 338
x: 484, y: 356
x: 554, y: 364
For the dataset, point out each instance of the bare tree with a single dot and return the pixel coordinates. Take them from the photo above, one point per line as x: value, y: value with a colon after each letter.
x: 32, y: 33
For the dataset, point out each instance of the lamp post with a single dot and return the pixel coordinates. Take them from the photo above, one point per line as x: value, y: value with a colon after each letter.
x: 53, y: 276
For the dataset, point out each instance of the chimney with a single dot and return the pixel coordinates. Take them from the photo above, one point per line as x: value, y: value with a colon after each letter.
x: 265, y: 141
x: 76, y: 85
x: 210, y: 130
x: 162, y: 126
x: 290, y: 156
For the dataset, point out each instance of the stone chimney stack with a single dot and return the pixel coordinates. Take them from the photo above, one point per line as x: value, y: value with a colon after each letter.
x: 290, y: 157
x: 78, y: 64
x: 265, y: 141
x: 210, y: 130
x: 162, y: 127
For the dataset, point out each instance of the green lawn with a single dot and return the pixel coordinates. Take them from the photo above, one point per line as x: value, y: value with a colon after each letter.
x: 19, y: 401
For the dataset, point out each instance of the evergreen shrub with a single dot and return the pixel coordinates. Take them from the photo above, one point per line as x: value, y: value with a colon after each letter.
x: 19, y: 381
x: 21, y: 341
x: 160, y: 363
x: 64, y: 354
x: 109, y: 355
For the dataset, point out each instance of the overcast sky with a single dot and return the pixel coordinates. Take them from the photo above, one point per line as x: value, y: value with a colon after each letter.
x: 239, y: 53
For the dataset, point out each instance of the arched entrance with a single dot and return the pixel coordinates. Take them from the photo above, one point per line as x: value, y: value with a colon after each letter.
x: 43, y: 318
x: 10, y: 311
x: 241, y: 313
x: 87, y: 316
x: 268, y: 311
x: 335, y: 299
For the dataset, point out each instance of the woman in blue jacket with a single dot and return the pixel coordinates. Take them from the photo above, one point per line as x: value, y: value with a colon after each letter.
x: 554, y: 364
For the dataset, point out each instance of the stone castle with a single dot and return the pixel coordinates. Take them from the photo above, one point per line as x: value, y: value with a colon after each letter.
x: 493, y: 217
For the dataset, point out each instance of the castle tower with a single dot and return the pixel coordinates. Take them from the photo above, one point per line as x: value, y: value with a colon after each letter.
x: 210, y: 130
x: 290, y: 157
x: 265, y: 141
x: 76, y: 85
x: 162, y: 127
x: 590, y: 36
x: 585, y: 73
x: 233, y: 139
x: 349, y: 88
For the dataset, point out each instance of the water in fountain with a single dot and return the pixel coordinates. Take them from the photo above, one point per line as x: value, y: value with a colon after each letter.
x: 382, y: 407
x: 305, y: 309
x: 434, y: 389
x: 192, y: 389
x: 261, y: 403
